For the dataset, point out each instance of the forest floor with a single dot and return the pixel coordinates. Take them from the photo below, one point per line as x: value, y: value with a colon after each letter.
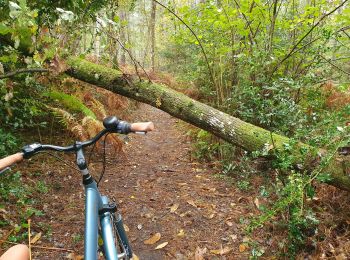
x: 159, y: 188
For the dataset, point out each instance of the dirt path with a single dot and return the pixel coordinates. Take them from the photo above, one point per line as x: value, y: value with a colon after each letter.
x: 159, y: 190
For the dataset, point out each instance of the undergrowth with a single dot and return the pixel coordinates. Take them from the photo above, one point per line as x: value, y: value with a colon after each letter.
x: 288, y: 191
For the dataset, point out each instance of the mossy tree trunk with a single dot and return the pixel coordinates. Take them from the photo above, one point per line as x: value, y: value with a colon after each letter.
x: 231, y: 129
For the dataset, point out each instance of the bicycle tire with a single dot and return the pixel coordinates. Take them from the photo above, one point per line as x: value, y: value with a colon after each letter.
x: 119, y: 236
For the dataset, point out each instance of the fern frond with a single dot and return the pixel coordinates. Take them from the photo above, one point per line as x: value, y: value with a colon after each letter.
x: 66, y: 118
x: 98, y: 108
x: 70, y: 102
x: 69, y: 121
x: 78, y: 131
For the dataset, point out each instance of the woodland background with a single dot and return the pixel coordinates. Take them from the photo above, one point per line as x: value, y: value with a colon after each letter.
x: 280, y: 65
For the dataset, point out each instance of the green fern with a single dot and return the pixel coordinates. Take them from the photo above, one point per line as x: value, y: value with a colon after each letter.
x: 70, y: 102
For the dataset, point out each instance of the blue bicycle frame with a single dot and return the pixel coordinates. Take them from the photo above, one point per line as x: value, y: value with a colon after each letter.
x: 100, y: 213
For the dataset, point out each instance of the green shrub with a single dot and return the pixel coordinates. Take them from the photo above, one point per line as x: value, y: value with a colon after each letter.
x: 8, y: 143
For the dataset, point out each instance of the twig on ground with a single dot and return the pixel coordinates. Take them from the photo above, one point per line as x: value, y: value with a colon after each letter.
x: 29, y: 238
x: 41, y: 247
x: 6, y: 237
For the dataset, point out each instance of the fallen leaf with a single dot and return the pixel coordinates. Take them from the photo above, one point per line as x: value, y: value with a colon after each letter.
x: 242, y: 199
x: 257, y: 203
x: 242, y: 248
x: 199, y: 253
x: 233, y: 237
x: 185, y: 213
x: 174, y: 207
x: 191, y: 202
x: 246, y: 239
x: 135, y: 257
x: 221, y: 251
x: 153, y: 239
x: 158, y: 102
x: 148, y: 215
x: 341, y: 257
x: 73, y: 256
x: 181, y: 233
x: 126, y: 228
x: 210, y: 216
x: 229, y: 223
x: 35, y: 238
x: 162, y: 245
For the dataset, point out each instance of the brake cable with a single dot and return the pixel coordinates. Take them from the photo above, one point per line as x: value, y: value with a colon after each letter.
x: 104, y: 160
x: 90, y: 153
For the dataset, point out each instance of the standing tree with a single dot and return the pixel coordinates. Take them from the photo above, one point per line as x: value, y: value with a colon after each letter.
x: 152, y: 34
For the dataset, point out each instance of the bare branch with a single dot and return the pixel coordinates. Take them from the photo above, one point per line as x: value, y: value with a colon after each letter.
x: 16, y: 72
x: 135, y: 62
x: 251, y: 38
x: 290, y: 53
x: 335, y: 66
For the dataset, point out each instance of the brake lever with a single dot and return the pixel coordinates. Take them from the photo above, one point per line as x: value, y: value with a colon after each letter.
x: 5, y: 170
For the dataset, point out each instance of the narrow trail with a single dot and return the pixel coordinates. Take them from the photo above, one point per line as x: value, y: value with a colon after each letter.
x: 159, y: 189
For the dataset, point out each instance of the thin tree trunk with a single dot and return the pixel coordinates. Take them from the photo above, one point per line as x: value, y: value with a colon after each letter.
x: 97, y: 42
x: 272, y: 29
x: 152, y: 34
x: 123, y: 20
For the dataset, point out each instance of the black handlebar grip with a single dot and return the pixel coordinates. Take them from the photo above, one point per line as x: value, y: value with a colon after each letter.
x: 30, y: 150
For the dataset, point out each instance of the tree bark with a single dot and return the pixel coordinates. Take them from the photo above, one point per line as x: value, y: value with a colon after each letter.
x: 231, y: 129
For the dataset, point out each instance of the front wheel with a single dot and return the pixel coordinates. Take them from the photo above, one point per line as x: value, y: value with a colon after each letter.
x: 121, y: 237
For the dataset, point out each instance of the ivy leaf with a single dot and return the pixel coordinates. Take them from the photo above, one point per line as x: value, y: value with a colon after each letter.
x: 310, y: 191
x: 323, y: 177
x: 4, y: 29
x: 14, y: 7
x: 65, y: 15
x: 17, y: 41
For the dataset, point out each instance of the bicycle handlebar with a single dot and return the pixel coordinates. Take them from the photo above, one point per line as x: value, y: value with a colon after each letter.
x: 111, y: 124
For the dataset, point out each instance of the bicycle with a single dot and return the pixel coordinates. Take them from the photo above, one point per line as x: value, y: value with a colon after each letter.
x: 101, y: 215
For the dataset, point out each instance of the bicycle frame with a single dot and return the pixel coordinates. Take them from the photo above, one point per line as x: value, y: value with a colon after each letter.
x: 98, y: 212
x: 93, y: 204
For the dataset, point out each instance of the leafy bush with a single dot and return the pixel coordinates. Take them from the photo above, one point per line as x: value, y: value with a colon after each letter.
x: 8, y: 143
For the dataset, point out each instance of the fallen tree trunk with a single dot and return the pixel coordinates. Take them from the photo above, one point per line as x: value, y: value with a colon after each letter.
x: 231, y: 129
